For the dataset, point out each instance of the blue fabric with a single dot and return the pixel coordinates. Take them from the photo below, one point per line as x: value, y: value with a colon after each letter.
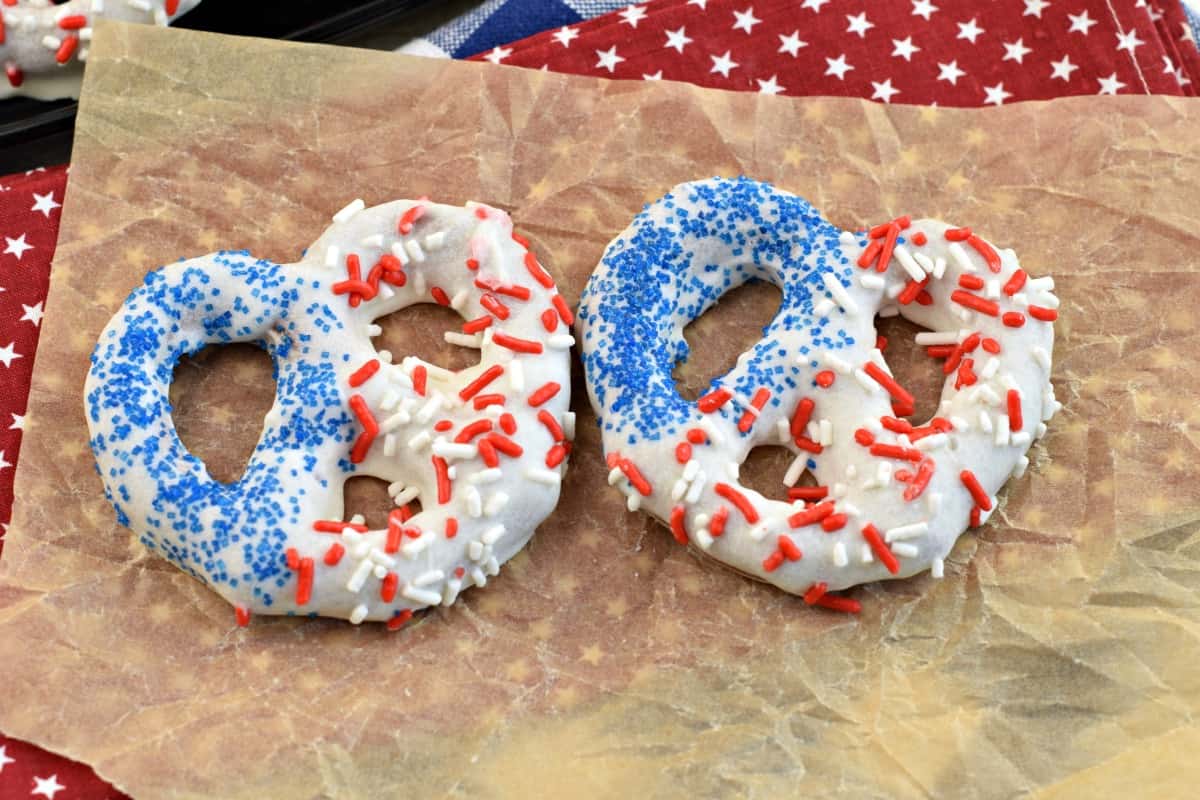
x: 499, y: 22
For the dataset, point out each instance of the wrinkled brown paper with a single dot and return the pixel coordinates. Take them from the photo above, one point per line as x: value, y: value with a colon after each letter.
x: 1058, y: 657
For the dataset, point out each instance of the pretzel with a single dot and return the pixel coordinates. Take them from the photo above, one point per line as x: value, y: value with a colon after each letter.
x: 483, y: 450
x: 892, y: 496
x: 37, y: 39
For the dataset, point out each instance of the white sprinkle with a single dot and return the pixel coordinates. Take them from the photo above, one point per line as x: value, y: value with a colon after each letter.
x: 434, y: 241
x: 933, y: 501
x: 960, y: 257
x: 1042, y: 358
x: 478, y: 578
x: 385, y: 356
x: 97, y: 6
x: 706, y: 424
x: 830, y: 359
x: 414, y: 249
x: 988, y: 394
x: 358, y: 614
x: 347, y: 213
x: 474, y: 502
x: 414, y: 547
x: 937, y: 337
x: 795, y: 470
x: 460, y: 299
x: 358, y: 519
x: 864, y: 554
x: 991, y: 289
x: 691, y: 469
x: 960, y: 424
x: 892, y: 293
x: 424, y: 596
x: 331, y: 257
x: 910, y: 531
x: 431, y: 407
x: 399, y: 252
x: 516, y: 376
x: 989, y: 369
x: 812, y: 430
x: 1020, y: 438
x: 871, y: 280
x: 874, y: 426
x: 1019, y: 469
x: 938, y: 568
x: 962, y: 313
x: 361, y: 573
x: 678, y: 490
x: 823, y: 308
x: 495, y: 504
x: 783, y: 431
x: 939, y: 267
x: 702, y: 537
x: 389, y: 445
x: 851, y: 472
x: 450, y: 591
x: 374, y: 240
x: 463, y: 339
x: 944, y: 408
x: 51, y: 42
x: 614, y: 475
x: 839, y: 293
x: 759, y: 531
x: 883, y: 473
x: 985, y: 422
x: 452, y: 472
x: 419, y: 441
x: 381, y: 560
x: 395, y: 421
x: 539, y: 475
x: 408, y: 495
x: 891, y: 311
x: 568, y: 425
x: 850, y: 509
x: 490, y: 475
x: 1045, y: 283
x: 847, y: 238
x: 492, y: 567
x: 160, y: 17
x: 838, y: 491
x: 910, y: 265
x: 905, y: 550
x: 494, y: 411
x: 1001, y: 430
x: 1040, y: 431
x: 475, y: 551
x: 693, y: 494
x: 492, y: 534
x: 453, y: 450
x: 561, y: 341
x: 866, y: 381
x: 826, y: 433
x: 431, y: 576
x: 934, y: 441
x: 839, y: 554
x: 633, y: 502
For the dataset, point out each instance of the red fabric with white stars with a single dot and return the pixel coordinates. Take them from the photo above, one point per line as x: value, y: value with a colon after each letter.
x: 910, y: 51
x: 750, y: 45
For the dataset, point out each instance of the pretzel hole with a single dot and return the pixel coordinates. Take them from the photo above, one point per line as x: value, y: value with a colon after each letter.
x: 368, y: 496
x: 719, y: 336
x: 418, y: 330
x: 912, y: 367
x: 219, y: 397
x: 764, y: 468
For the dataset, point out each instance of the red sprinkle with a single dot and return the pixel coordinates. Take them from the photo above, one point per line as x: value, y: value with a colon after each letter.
x: 519, y: 239
x: 896, y: 425
x: 739, y: 501
x: 939, y: 350
x: 897, y: 452
x: 517, y: 345
x: 493, y: 305
x: 171, y: 6
x: 334, y: 554
x: 919, y: 238
x: 397, y: 622
x: 535, y: 269
x: 1043, y: 314
x: 544, y: 393
x: 825, y: 378
x: 748, y: 417
x: 478, y: 324
x: 472, y: 264
x: 801, y: 416
x: 451, y: 527
x: 697, y: 436
x: 508, y: 423
x: 443, y: 425
x: 808, y: 445
x: 564, y: 311
x: 487, y: 451
x: 1015, y: 422
x: 419, y: 378
x: 292, y: 558
x: 1013, y: 319
x: 772, y: 562
x: 864, y: 437
x: 519, y: 292
x: 968, y: 281
x: 635, y: 477
x: 924, y: 298
x: 474, y: 387
x: 1015, y: 283
x: 547, y: 419
x: 991, y: 345
x: 550, y: 320
x: 834, y: 522
x: 683, y: 452
x: 917, y: 487
x: 387, y: 589
x: 911, y: 290
x: 304, y: 585
x: 555, y: 455
x: 15, y: 76
x: 677, y: 528
x: 812, y: 515
x: 808, y: 493
x: 815, y: 593
x: 405, y: 225
x: 870, y: 254
x: 482, y: 401
x: 713, y: 400
x: 789, y: 549
x: 443, y: 479
x: 889, y: 245
x: 333, y: 526
x: 881, y: 342
x: 364, y: 373
x: 716, y: 526
x: 476, y: 428
x: 975, y: 303
x: 984, y: 249
x: 843, y: 604
x: 370, y: 429
x: 977, y: 493
x: 888, y: 382
x: 240, y: 613
x: 976, y: 517
x: 66, y: 49
x: 481, y: 213
x: 395, y: 531
x: 958, y: 234
x: 880, y: 548
x: 72, y: 23
x: 439, y: 295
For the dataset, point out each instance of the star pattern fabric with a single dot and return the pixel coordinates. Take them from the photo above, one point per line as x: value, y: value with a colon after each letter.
x: 949, y: 52
x: 893, y: 51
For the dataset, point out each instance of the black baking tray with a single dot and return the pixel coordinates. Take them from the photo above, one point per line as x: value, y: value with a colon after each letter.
x: 35, y: 132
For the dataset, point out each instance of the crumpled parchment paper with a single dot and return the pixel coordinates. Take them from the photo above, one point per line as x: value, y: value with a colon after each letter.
x: 1057, y: 657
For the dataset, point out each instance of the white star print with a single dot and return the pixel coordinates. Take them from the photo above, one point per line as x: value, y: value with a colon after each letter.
x: 45, y: 786
x: 1080, y: 23
x: 838, y: 67
x: 745, y: 20
x: 950, y: 72
x: 1129, y: 41
x: 4, y: 465
x: 923, y: 8
x: 8, y: 353
x: 632, y: 15
x: 32, y: 313
x: 884, y: 91
x: 1187, y: 34
x: 1016, y: 51
x: 565, y: 34
x: 996, y: 94
x: 1168, y: 67
x: 791, y: 44
x: 723, y: 64
x: 45, y: 203
x: 702, y: 3
x: 18, y: 424
x: 608, y: 58
x: 859, y: 24
x: 655, y: 77
x: 769, y: 86
x: 1110, y: 85
x: 904, y: 48
x: 678, y: 39
x: 1034, y: 8
x: 1062, y: 69
x: 17, y: 246
x: 969, y: 30
x: 4, y: 757
x: 815, y: 5
x: 498, y: 54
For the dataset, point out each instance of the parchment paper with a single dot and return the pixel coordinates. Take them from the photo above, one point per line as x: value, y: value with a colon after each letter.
x: 1057, y: 657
